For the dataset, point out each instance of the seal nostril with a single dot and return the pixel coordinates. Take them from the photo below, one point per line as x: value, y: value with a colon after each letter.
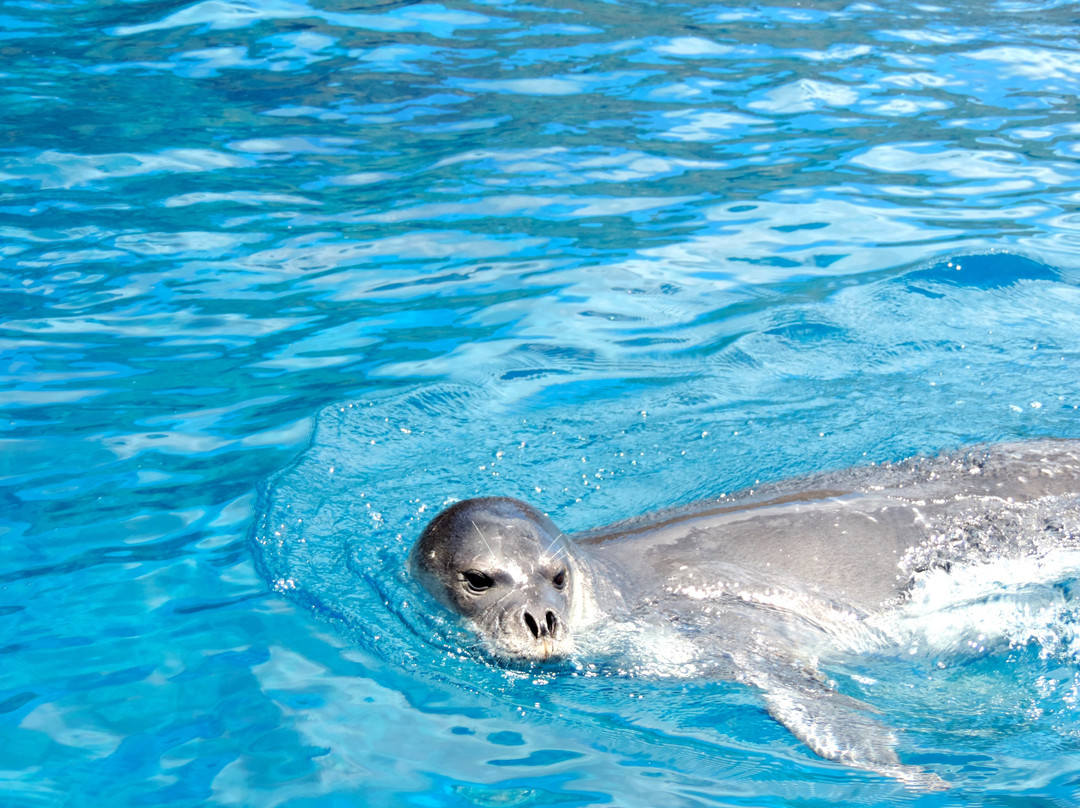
x: 552, y: 622
x: 530, y: 621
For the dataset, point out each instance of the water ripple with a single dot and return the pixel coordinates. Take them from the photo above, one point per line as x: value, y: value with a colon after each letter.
x: 694, y: 244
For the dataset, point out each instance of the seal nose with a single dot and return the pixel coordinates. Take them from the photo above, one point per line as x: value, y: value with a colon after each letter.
x: 545, y: 629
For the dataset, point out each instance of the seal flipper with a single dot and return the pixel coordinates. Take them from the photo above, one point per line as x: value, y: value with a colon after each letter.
x: 839, y: 728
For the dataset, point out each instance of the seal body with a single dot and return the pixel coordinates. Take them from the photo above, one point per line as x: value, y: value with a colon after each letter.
x: 755, y: 585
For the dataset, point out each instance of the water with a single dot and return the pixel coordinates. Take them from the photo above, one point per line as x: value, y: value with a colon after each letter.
x: 606, y: 257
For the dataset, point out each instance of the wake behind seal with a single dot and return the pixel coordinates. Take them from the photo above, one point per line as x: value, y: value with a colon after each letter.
x: 755, y: 584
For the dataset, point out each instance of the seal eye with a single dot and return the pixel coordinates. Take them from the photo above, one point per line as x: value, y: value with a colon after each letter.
x: 476, y: 581
x: 559, y: 581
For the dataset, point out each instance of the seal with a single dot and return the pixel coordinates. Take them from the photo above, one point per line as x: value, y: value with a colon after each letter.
x: 752, y: 586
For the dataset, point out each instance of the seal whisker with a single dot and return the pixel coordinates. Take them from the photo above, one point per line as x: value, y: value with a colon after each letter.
x: 562, y: 548
x: 480, y: 533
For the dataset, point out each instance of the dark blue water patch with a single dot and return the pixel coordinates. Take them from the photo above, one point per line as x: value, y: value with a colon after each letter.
x: 546, y: 757
x: 16, y: 702
x: 511, y: 375
x: 506, y: 738
x: 986, y: 272
x: 806, y: 331
x: 100, y: 556
x: 203, y: 607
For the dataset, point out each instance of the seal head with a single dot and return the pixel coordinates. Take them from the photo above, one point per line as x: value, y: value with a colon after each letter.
x: 503, y: 565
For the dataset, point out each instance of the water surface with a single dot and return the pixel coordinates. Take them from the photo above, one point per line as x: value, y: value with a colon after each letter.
x: 607, y: 257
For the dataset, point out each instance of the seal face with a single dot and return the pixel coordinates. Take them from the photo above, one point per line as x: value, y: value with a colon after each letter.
x: 503, y: 565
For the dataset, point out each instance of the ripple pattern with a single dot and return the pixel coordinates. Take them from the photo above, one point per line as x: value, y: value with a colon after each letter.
x: 647, y: 251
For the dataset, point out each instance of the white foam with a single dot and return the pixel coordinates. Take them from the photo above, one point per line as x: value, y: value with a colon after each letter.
x: 1002, y: 604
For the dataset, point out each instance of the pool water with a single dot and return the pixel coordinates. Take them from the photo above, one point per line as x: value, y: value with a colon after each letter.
x: 281, y: 279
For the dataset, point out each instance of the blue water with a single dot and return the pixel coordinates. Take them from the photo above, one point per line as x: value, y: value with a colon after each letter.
x: 279, y: 279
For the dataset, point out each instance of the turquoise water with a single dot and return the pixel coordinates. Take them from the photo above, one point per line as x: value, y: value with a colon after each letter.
x: 272, y: 261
